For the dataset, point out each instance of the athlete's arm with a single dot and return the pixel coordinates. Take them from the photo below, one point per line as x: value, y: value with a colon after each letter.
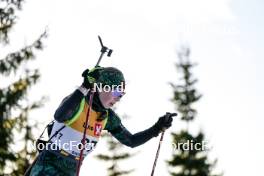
x: 115, y: 127
x: 69, y: 106
x: 134, y: 140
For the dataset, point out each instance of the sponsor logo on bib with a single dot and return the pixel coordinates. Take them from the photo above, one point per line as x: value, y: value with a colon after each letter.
x: 97, y: 129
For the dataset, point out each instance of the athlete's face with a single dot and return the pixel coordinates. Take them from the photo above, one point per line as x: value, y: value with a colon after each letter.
x: 109, y: 98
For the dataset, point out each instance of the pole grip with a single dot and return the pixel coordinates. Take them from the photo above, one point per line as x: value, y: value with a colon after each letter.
x: 166, y: 119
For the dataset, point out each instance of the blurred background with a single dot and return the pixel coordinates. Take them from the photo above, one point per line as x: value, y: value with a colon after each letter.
x: 201, y: 59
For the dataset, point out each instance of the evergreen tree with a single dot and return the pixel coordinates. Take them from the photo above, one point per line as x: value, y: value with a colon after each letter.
x: 114, y: 156
x: 190, y: 157
x: 15, y: 129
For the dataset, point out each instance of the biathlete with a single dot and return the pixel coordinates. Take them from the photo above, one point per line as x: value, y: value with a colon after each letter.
x: 68, y: 128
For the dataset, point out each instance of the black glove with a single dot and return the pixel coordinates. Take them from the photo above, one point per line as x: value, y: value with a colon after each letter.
x: 86, y: 83
x: 93, y: 74
x: 165, y: 121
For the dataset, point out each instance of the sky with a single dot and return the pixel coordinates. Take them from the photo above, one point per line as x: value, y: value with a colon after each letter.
x: 225, y: 37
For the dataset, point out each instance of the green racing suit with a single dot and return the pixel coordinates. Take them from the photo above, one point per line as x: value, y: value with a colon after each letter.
x: 54, y: 163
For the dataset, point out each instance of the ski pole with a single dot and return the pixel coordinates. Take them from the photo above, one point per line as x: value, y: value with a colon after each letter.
x: 158, y: 150
x: 103, y: 51
x: 157, y: 154
x: 84, y: 132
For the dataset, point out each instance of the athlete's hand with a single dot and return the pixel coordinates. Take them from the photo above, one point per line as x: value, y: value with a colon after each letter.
x: 165, y: 121
x: 85, y: 83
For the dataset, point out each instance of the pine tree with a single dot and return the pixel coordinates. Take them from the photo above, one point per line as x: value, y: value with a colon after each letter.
x: 114, y: 156
x: 15, y: 129
x: 190, y: 158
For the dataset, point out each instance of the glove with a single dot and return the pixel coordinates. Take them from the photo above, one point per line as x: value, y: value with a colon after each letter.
x: 165, y: 121
x: 85, y: 83
x: 90, y: 76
